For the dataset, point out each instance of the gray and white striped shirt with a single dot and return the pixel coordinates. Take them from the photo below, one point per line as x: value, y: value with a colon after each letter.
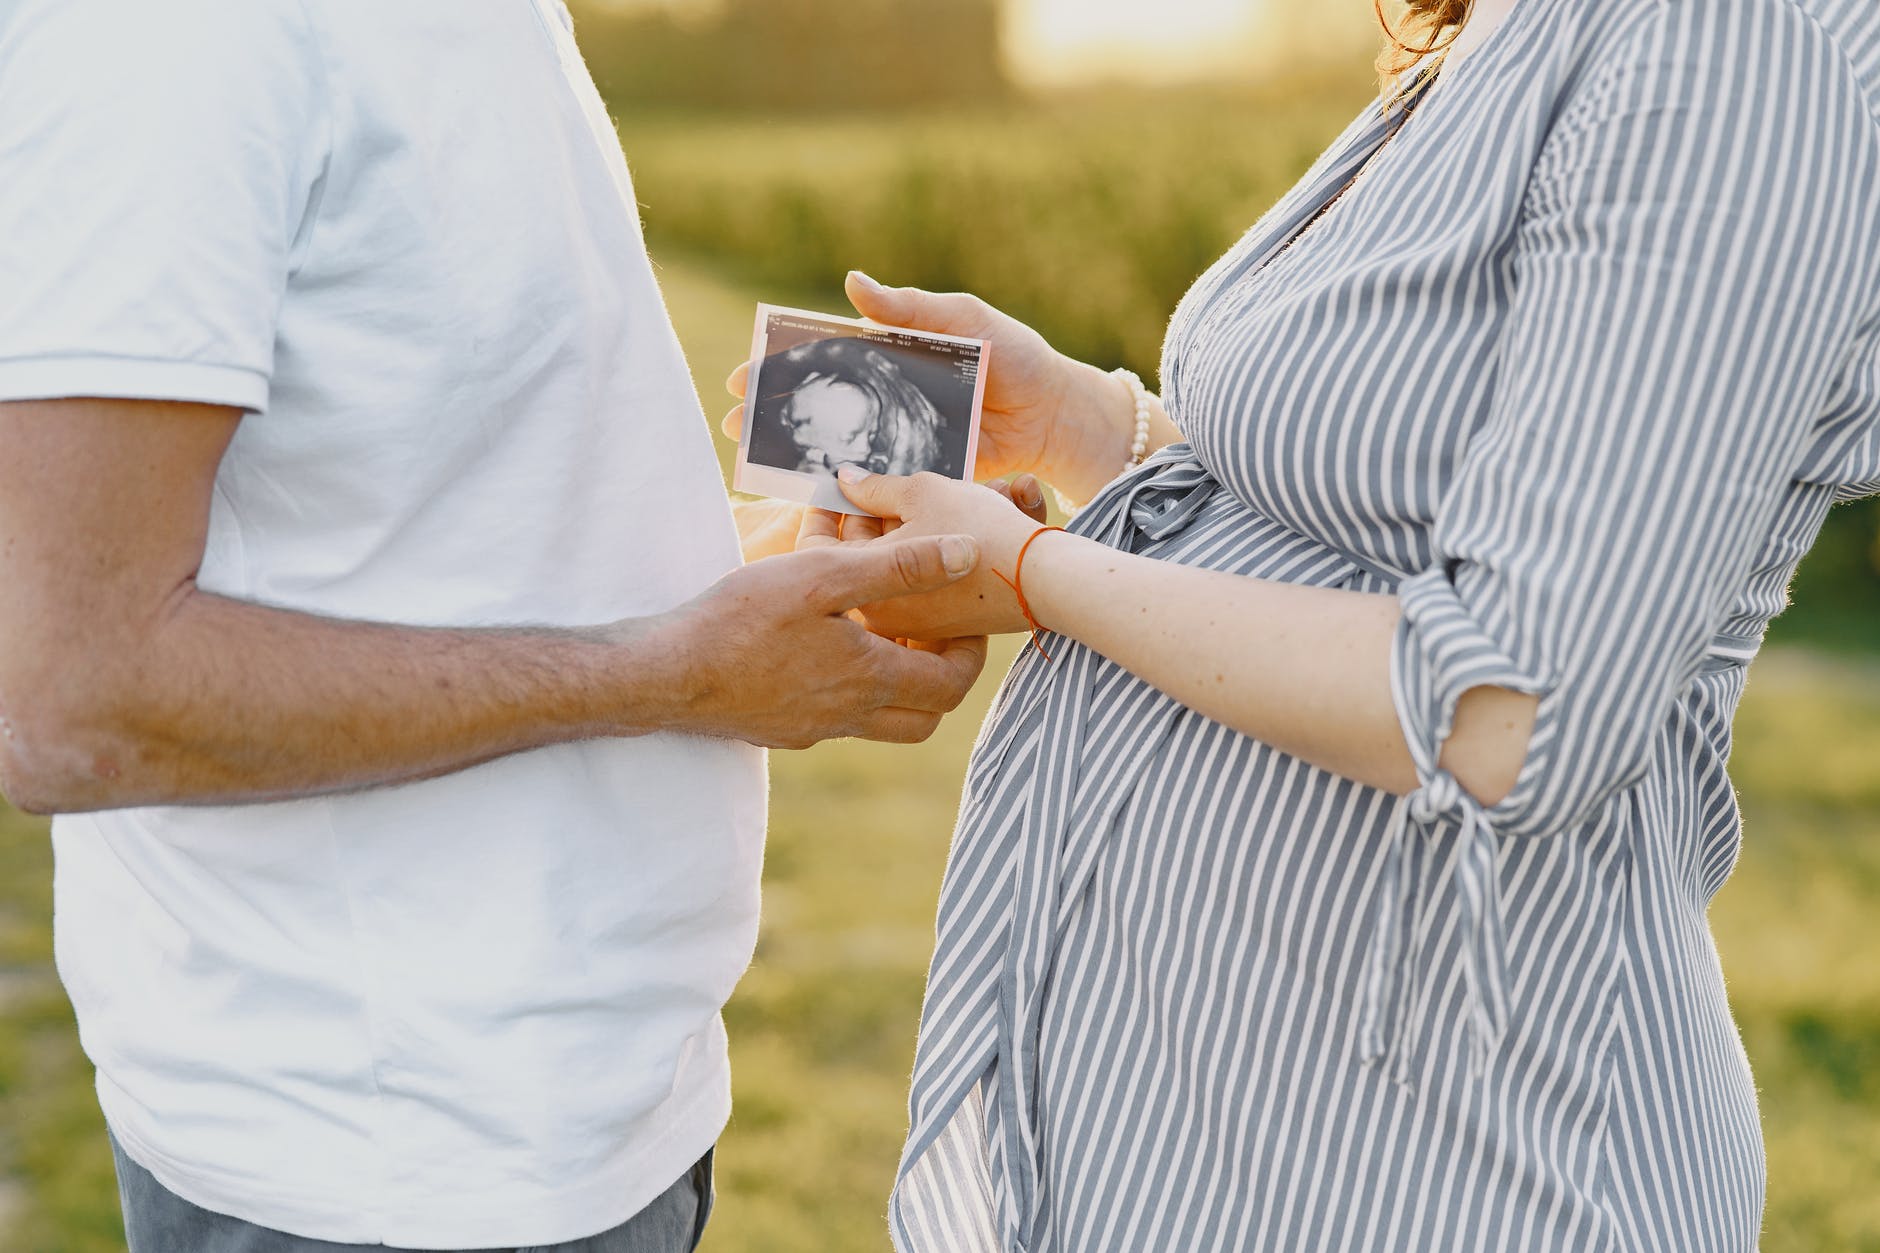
x: 1575, y: 369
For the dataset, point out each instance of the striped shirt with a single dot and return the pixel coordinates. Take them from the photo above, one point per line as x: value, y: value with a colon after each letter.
x: 1575, y: 369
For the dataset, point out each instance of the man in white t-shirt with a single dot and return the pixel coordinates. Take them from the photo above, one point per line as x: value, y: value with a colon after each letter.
x: 373, y: 618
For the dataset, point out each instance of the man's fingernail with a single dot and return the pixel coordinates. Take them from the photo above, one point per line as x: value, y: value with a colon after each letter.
x: 851, y: 473
x: 959, y: 552
x: 1034, y: 495
x: 865, y: 281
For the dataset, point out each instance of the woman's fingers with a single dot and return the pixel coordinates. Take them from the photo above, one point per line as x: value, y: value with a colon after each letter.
x: 733, y: 425
x: 766, y: 528
x: 856, y: 529
x: 820, y: 528
x: 879, y: 494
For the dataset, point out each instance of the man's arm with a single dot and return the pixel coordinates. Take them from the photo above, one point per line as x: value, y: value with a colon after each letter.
x: 122, y: 683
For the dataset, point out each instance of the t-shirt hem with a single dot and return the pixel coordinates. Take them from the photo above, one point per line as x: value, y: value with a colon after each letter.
x: 689, y: 1126
x: 132, y: 378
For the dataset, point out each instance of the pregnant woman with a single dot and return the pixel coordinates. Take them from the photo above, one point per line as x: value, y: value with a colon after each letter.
x: 1333, y: 875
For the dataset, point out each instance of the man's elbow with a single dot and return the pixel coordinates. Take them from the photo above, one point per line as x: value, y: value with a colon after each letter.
x: 61, y: 750
x: 30, y: 796
x: 28, y: 780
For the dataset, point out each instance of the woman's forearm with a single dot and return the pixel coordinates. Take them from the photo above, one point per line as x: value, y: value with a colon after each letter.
x: 1304, y: 669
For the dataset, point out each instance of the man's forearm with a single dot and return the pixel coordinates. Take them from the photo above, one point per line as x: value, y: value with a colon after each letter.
x: 122, y: 684
x: 224, y: 701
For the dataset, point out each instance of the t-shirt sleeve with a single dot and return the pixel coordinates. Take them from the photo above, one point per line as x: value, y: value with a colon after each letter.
x: 158, y: 169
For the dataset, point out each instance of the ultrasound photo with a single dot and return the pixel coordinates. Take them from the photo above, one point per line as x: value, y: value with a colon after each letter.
x: 825, y: 392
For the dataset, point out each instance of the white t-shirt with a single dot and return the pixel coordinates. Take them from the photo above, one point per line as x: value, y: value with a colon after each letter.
x: 481, y: 1010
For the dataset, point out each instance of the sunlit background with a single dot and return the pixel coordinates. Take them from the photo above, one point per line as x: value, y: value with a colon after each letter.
x: 1077, y: 162
x: 1057, y: 43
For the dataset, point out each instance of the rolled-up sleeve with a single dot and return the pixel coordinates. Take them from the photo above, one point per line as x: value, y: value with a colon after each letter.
x: 1693, y: 262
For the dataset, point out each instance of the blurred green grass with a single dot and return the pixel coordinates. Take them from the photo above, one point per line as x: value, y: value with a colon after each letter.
x: 823, y: 1026
x: 1088, y: 215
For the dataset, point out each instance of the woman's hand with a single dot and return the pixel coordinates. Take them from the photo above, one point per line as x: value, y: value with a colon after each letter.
x: 1044, y: 413
x: 1005, y: 514
x: 766, y: 528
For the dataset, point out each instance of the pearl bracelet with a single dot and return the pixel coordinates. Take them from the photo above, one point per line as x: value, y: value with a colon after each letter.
x: 1138, y: 447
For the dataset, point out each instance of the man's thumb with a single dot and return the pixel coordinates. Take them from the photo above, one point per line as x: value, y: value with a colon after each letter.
x: 875, y: 572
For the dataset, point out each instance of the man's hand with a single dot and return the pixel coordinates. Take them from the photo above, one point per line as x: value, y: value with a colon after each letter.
x: 122, y: 683
x: 774, y: 657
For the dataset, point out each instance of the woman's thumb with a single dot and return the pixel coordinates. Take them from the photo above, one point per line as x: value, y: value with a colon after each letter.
x: 951, y: 313
x: 895, y: 306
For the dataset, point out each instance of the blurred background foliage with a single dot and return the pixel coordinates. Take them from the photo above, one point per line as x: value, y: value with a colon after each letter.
x: 1077, y: 162
x: 741, y: 55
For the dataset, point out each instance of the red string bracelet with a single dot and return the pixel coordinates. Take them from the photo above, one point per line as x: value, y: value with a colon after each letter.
x: 1018, y: 577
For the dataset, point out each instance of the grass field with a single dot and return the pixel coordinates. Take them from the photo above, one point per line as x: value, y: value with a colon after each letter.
x: 1087, y: 216
x: 823, y: 1026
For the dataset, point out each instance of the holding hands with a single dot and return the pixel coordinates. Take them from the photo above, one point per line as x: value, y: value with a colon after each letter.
x: 999, y: 518
x: 1045, y: 416
x: 771, y: 655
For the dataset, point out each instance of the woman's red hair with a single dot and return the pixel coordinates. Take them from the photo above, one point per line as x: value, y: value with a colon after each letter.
x: 1422, y: 28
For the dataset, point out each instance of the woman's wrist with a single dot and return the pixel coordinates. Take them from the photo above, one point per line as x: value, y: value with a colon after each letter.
x: 1092, y: 431
x: 999, y: 550
x: 1106, y: 423
x: 1047, y: 577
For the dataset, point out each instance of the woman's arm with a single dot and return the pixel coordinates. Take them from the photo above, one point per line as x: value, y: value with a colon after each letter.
x: 1305, y: 669
x: 1689, y: 278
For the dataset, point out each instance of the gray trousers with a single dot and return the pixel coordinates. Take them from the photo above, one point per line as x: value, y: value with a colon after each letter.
x: 156, y: 1220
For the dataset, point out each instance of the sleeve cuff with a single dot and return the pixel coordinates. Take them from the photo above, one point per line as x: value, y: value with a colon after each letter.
x: 1439, y: 652
x: 132, y: 378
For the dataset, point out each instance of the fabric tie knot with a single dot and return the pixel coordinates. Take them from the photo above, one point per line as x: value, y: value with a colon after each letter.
x: 1389, y: 1018
x: 1441, y: 794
